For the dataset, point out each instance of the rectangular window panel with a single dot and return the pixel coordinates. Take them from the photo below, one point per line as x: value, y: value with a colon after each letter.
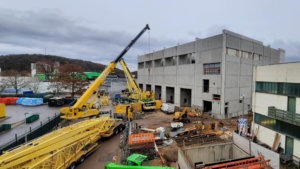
x: 212, y: 68
x: 288, y: 89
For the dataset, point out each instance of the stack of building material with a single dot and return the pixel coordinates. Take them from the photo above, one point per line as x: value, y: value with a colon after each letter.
x: 253, y: 163
x: 142, y: 143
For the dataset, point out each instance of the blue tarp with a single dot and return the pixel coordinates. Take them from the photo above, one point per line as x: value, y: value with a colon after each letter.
x: 20, y: 100
x: 32, y: 101
x: 12, y: 91
x: 28, y: 92
x: 117, y: 96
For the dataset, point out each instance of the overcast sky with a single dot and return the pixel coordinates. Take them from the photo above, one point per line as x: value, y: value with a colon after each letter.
x: 98, y: 30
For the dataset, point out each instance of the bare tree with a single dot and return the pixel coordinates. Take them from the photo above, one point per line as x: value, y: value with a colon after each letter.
x: 56, y: 83
x: 35, y: 84
x: 3, y: 84
x: 73, y: 78
x: 15, y: 79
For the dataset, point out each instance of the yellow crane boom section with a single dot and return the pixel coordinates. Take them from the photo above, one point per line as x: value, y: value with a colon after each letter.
x: 131, y: 80
x: 60, y: 148
x: 98, y: 82
x: 77, y: 110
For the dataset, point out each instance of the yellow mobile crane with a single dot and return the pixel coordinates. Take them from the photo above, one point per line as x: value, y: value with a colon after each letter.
x: 146, y: 98
x: 62, y: 148
x: 83, y: 109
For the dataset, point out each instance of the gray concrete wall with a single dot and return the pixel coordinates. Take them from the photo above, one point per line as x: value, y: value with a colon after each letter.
x: 242, y: 53
x: 255, y: 149
x: 209, y: 154
x: 237, y: 55
x: 183, y: 161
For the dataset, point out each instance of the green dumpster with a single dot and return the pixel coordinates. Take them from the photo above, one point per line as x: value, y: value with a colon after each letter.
x: 32, y: 118
x: 5, y: 127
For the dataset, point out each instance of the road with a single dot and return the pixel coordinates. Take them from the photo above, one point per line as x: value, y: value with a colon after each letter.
x: 102, y: 155
x: 16, y: 113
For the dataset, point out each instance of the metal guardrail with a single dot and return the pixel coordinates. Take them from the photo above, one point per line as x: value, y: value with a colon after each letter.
x: 289, y: 117
x: 32, y: 134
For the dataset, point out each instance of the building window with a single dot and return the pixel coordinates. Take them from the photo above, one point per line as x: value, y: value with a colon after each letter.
x: 237, y: 52
x: 212, y: 68
x: 158, y: 63
x: 216, y: 97
x: 289, y: 89
x: 170, y: 61
x: 193, y: 60
x: 183, y: 59
x: 232, y: 52
x: 148, y: 64
x: 205, y: 85
x: 249, y: 55
x: 141, y: 65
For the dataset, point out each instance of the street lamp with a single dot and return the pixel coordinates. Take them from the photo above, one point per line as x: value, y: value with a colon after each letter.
x: 25, y: 127
x: 243, y: 98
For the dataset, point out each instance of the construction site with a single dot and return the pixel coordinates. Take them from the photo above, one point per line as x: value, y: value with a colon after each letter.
x: 189, y: 108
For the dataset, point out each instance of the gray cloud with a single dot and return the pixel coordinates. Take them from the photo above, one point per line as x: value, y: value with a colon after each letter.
x: 32, y: 32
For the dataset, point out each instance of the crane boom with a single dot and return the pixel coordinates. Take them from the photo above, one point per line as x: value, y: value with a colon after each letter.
x: 131, y: 43
x: 129, y: 76
x: 80, y: 108
x: 61, y: 148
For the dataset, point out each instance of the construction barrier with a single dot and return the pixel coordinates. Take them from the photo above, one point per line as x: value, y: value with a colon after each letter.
x: 9, y: 100
x: 20, y: 100
x: 32, y: 101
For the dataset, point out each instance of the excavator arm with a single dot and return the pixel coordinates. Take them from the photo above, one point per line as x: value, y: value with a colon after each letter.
x: 81, y: 109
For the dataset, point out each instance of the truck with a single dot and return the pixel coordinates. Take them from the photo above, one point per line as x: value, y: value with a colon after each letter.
x: 63, y: 148
x: 135, y: 161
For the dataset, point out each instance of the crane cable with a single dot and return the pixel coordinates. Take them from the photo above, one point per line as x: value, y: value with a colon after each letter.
x: 149, y: 40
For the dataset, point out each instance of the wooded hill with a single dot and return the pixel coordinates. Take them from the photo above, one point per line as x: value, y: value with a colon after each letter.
x: 22, y: 62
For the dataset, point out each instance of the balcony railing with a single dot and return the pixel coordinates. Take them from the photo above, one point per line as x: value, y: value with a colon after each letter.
x: 289, y: 117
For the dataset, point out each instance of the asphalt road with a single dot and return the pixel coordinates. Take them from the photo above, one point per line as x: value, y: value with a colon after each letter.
x: 104, y: 154
x: 16, y: 113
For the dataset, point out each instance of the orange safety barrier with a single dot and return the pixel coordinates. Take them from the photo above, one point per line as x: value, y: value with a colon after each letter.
x: 141, y: 138
x: 9, y: 100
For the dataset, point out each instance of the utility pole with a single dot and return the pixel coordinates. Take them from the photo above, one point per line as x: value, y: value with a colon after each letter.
x: 25, y: 128
x: 243, y: 99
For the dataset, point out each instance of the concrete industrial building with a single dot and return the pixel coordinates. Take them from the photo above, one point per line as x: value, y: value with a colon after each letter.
x: 212, y: 73
x: 276, y: 106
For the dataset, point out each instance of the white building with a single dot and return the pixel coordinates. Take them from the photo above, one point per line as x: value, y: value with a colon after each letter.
x: 276, y: 106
